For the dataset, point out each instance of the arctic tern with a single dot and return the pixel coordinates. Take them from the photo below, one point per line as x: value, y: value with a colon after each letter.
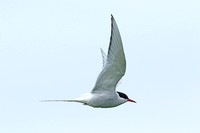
x: 103, y: 95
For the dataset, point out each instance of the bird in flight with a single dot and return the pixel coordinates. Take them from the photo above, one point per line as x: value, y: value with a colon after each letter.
x: 104, y: 94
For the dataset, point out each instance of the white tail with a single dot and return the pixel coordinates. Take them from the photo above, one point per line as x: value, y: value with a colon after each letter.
x: 62, y: 101
x: 82, y: 99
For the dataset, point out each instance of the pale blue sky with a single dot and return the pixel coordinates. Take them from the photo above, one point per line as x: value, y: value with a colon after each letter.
x: 50, y: 49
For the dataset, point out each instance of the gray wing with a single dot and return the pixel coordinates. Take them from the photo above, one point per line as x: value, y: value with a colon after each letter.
x: 115, y: 66
x: 104, y: 58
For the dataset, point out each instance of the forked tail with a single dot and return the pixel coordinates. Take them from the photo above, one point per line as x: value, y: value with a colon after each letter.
x: 61, y: 101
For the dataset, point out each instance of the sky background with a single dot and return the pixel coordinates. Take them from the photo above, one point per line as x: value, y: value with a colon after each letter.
x: 50, y: 49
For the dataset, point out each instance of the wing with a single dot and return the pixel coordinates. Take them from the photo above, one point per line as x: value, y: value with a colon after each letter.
x: 104, y: 58
x: 105, y: 61
x: 115, y: 66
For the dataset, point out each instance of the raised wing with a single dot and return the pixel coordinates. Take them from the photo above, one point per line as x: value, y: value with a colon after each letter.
x: 104, y: 58
x: 115, y: 66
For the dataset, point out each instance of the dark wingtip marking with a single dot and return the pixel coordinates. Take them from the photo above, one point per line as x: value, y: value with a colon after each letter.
x: 112, y: 18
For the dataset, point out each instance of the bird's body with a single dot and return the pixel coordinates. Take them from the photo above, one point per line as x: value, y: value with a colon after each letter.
x: 97, y: 100
x: 102, y: 99
x: 103, y: 95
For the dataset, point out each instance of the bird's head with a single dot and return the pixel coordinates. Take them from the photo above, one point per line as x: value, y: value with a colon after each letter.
x: 124, y: 96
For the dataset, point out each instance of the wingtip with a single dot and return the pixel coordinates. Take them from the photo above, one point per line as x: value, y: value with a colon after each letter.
x: 102, y: 51
x: 112, y: 17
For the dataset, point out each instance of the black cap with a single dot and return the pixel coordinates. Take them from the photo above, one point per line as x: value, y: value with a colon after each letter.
x: 122, y: 95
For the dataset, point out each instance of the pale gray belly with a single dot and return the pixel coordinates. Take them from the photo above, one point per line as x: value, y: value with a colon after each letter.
x: 104, y: 101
